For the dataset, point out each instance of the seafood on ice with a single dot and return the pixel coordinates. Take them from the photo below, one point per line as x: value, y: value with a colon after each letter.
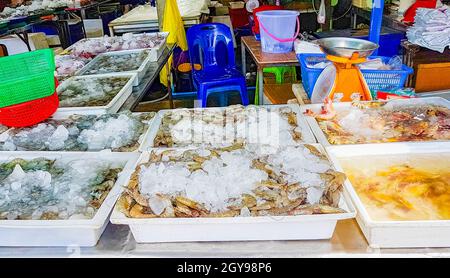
x: 90, y: 48
x: 68, y: 65
x: 378, y: 122
x: 123, y: 62
x: 122, y: 132
x: 233, y: 181
x: 55, y: 189
x: 92, y: 91
x: 33, y: 8
x: 234, y: 124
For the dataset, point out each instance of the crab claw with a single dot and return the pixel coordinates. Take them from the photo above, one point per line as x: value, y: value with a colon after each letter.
x: 309, y: 112
x: 326, y: 113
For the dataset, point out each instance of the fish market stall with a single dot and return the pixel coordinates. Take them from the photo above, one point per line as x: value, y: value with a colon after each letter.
x: 89, y: 169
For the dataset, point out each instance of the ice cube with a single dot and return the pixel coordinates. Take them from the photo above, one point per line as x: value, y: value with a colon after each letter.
x: 56, y: 141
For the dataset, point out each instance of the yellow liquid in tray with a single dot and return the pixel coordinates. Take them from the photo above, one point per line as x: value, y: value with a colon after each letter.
x: 402, y: 187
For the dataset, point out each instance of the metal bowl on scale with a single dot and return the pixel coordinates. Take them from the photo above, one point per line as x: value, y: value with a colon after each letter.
x: 346, y: 47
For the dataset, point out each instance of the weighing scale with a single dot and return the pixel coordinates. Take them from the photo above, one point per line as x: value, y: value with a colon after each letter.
x: 348, y: 84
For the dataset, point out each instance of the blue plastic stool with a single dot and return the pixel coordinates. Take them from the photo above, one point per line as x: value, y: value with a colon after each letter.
x: 211, y: 45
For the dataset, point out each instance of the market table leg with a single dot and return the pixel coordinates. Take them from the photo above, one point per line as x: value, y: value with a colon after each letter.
x: 260, y: 92
x: 243, y: 58
x: 354, y: 18
x: 24, y: 37
x: 169, y: 86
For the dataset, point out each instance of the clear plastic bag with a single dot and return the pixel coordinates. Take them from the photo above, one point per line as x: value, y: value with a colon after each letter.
x: 322, y: 13
x: 395, y: 63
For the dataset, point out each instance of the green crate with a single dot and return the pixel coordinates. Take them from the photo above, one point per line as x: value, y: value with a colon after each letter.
x: 26, y: 77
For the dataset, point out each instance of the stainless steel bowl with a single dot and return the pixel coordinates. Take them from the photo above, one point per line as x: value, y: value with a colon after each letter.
x: 345, y: 47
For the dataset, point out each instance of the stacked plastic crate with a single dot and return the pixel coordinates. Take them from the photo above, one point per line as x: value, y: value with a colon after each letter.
x: 28, y: 88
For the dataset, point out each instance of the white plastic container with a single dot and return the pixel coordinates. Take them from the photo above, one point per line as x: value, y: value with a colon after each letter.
x: 304, y: 227
x: 113, y: 106
x: 143, y: 140
x: 308, y: 137
x: 140, y: 72
x: 394, y: 234
x: 340, y: 106
x: 159, y: 49
x: 65, y: 232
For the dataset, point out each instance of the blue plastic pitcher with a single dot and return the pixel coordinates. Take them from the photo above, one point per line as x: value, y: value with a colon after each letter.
x: 278, y: 31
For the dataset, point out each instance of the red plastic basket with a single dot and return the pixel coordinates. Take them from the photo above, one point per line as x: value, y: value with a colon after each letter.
x: 29, y: 113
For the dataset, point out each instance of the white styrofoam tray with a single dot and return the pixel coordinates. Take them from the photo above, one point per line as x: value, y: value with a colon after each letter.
x: 140, y: 72
x: 84, y: 232
x: 394, y: 234
x: 320, y: 135
x: 308, y: 137
x: 154, y: 56
x: 302, y: 227
x: 113, y: 106
x: 143, y: 140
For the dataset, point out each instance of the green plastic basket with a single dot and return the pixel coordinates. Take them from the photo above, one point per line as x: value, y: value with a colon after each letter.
x: 26, y: 77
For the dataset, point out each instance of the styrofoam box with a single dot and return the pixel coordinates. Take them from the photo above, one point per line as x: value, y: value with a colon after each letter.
x: 394, y: 234
x: 321, y: 137
x: 302, y: 227
x: 140, y: 72
x: 113, y: 106
x: 143, y: 140
x: 308, y: 137
x: 65, y: 232
x: 154, y: 56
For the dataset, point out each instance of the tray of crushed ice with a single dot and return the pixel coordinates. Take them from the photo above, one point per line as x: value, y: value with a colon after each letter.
x: 275, y: 125
x: 126, y: 61
x: 91, y: 47
x: 95, y: 93
x: 55, y: 199
x: 239, y: 192
x: 121, y: 132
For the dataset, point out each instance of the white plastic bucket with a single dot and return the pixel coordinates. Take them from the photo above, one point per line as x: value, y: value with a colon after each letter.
x: 278, y: 30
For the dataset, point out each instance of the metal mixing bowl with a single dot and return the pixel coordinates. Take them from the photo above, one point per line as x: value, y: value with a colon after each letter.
x: 345, y: 47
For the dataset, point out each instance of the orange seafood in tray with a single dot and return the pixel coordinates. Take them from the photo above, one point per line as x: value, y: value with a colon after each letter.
x: 378, y: 122
x: 409, y: 188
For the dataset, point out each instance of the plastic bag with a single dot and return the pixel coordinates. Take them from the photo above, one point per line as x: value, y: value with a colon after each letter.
x: 395, y: 63
x: 322, y: 13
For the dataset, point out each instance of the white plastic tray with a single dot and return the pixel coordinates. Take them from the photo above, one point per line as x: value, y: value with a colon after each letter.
x: 65, y: 232
x: 394, y: 234
x: 113, y: 106
x: 143, y: 140
x: 154, y: 56
x: 307, y: 134
x: 320, y: 135
x: 304, y: 227
x: 140, y: 72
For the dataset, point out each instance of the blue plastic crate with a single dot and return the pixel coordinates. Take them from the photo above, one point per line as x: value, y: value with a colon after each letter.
x: 376, y: 79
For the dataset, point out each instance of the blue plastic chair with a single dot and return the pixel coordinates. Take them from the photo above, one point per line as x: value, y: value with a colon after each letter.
x: 211, y: 45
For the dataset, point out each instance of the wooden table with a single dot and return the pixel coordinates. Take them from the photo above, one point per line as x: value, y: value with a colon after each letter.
x: 263, y: 60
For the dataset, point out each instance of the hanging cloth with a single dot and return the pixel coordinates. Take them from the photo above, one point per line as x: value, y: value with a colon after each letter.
x: 172, y: 23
